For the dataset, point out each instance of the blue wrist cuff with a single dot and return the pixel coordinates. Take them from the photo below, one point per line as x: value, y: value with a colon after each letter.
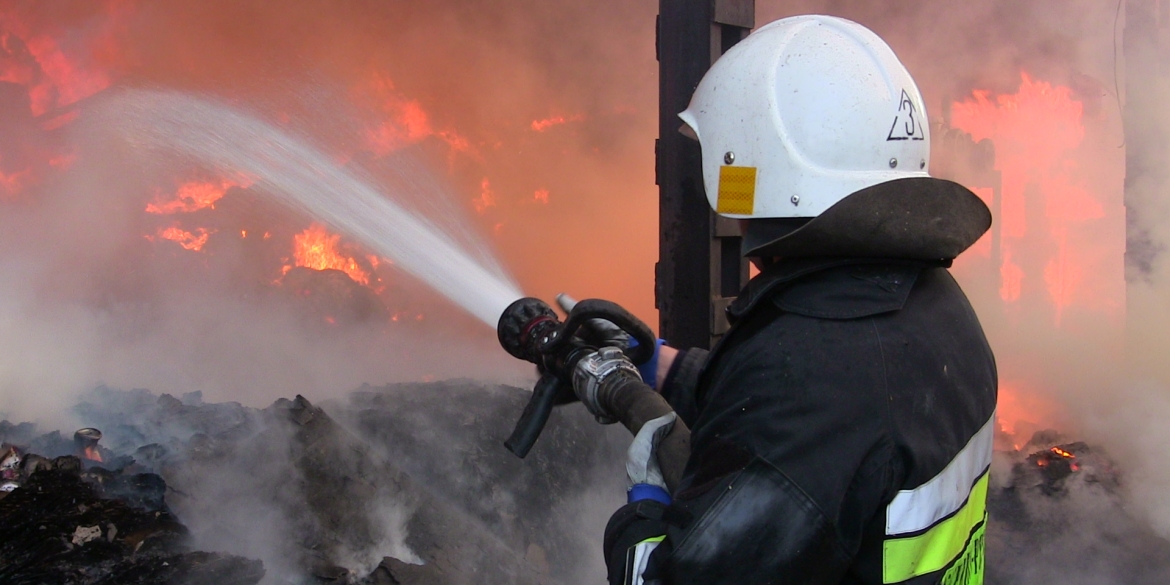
x: 649, y: 370
x: 645, y: 491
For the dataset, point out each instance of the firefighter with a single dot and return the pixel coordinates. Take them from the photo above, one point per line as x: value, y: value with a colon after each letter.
x: 842, y: 429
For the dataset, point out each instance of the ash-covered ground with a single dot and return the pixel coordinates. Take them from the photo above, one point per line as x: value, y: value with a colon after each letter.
x: 410, y: 483
x: 400, y: 484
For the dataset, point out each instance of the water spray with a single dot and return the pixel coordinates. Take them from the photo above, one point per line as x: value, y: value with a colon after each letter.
x: 309, y: 181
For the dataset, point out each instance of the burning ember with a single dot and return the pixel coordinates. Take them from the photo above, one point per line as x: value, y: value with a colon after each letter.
x: 1052, y: 462
x: 87, y: 444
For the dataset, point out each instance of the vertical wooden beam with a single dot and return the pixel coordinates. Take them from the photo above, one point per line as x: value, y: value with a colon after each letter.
x: 699, y: 269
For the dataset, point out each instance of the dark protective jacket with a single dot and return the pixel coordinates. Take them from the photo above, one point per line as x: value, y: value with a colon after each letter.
x: 842, y: 433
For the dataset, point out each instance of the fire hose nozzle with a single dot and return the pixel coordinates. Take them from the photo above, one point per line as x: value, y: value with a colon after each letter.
x: 530, y: 330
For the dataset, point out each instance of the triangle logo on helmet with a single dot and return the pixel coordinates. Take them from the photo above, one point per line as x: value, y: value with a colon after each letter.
x: 906, y: 126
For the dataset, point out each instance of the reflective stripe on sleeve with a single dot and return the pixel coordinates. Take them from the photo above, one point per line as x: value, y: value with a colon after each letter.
x: 920, y: 508
x: 935, y: 549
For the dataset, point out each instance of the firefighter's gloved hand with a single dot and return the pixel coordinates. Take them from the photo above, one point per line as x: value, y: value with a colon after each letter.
x: 646, y: 482
x: 596, y: 332
x: 602, y: 333
x: 596, y: 374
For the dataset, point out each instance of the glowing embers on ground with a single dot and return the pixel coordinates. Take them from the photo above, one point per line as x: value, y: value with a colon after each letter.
x: 1044, y: 198
x: 92, y: 454
x: 316, y: 248
x: 1057, y: 456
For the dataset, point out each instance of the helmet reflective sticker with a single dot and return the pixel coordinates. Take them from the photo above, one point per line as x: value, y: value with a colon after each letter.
x: 737, y: 190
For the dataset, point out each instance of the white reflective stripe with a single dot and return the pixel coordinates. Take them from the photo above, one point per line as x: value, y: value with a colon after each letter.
x: 919, y: 508
x: 638, y: 558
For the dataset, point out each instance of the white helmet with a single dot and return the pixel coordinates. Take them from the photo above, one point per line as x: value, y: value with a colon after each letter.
x: 803, y: 113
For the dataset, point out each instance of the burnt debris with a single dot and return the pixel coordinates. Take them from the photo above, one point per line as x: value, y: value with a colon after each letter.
x: 410, y: 483
x: 69, y: 526
x: 1058, y: 515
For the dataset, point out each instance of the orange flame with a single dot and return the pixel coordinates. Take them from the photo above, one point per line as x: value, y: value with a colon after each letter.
x: 1021, y: 411
x: 541, y: 196
x: 545, y: 124
x: 184, y: 238
x: 1035, y: 131
x: 1063, y: 453
x: 56, y: 78
x: 191, y: 196
x: 406, y: 121
x: 316, y: 248
x: 65, y: 82
x: 92, y: 454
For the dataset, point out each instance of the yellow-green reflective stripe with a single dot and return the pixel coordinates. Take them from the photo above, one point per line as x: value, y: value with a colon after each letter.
x: 968, y: 568
x: 654, y: 539
x: 906, y: 558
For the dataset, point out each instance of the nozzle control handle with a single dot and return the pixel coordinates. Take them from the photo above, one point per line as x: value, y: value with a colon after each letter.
x: 549, y: 392
x: 589, y: 309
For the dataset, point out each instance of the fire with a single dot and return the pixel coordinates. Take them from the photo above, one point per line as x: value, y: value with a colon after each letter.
x: 316, y: 248
x: 191, y: 196
x: 1021, y: 411
x: 184, y: 238
x: 545, y: 124
x: 487, y: 197
x: 1035, y: 132
x: 54, y: 75
x: 11, y: 184
x: 1063, y: 453
x: 93, y: 454
x: 405, y: 123
x: 65, y: 82
x: 541, y: 196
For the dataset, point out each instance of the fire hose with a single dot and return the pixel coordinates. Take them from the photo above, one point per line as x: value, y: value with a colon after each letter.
x: 530, y: 330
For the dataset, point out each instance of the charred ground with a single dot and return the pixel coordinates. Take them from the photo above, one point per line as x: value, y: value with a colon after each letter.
x: 409, y: 484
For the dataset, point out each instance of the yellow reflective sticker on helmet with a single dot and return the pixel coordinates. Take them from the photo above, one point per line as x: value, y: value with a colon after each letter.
x: 737, y: 190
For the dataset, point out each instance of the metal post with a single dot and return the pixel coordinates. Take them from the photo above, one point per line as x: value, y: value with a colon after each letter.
x: 699, y: 268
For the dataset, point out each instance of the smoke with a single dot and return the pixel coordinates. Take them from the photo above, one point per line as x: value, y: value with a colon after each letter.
x: 1098, y: 371
x: 85, y: 299
x: 376, y: 86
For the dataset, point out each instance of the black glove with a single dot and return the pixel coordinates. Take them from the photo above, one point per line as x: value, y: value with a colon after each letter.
x: 596, y: 332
